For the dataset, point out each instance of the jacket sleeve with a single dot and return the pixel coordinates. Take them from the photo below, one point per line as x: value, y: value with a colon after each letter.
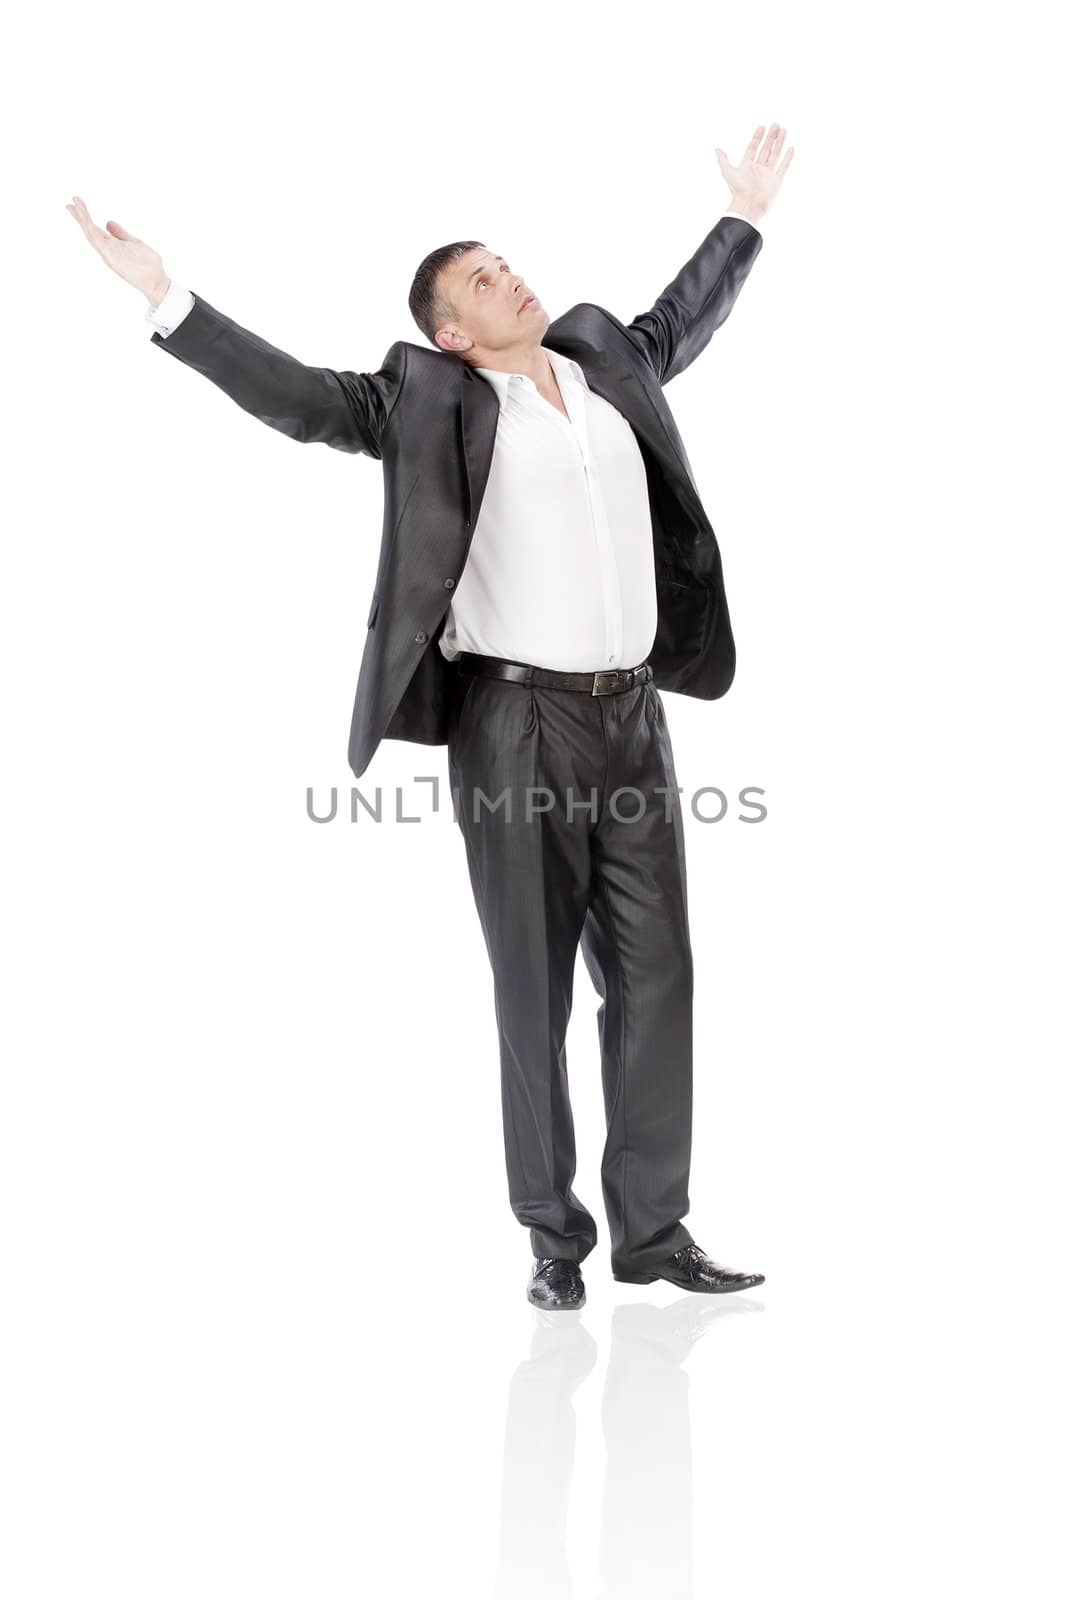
x: 313, y: 405
x: 679, y: 325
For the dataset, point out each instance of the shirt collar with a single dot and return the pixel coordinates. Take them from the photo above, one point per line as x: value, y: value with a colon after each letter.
x: 504, y: 383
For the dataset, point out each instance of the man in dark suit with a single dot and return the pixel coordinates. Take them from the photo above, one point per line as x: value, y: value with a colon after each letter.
x: 546, y: 566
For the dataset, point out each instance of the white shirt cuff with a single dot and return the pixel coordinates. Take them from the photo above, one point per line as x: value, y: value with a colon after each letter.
x: 174, y: 306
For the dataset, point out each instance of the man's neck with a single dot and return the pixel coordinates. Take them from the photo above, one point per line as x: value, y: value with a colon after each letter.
x: 531, y: 361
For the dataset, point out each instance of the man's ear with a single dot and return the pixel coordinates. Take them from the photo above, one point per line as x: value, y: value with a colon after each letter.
x: 451, y: 340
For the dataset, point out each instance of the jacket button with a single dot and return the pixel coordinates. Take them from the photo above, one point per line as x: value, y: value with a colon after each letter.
x: 420, y: 637
x: 449, y: 583
x: 466, y: 524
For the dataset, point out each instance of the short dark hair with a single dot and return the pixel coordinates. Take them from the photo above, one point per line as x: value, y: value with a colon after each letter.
x: 429, y: 307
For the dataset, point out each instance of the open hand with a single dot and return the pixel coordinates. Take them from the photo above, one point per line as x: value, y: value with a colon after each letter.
x: 130, y: 257
x: 754, y: 184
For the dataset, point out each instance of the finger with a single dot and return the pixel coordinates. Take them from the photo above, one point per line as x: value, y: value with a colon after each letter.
x: 120, y: 233
x: 764, y: 154
x: 81, y: 211
x: 783, y: 168
x: 779, y: 144
x: 95, y: 235
x: 749, y: 154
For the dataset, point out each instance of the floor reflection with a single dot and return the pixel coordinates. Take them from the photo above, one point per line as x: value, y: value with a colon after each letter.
x: 538, y: 1459
x: 646, y: 1522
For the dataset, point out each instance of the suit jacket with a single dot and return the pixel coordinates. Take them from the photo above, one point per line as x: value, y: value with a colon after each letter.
x: 430, y: 419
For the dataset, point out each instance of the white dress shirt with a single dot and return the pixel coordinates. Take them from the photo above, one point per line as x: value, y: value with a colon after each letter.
x: 561, y: 570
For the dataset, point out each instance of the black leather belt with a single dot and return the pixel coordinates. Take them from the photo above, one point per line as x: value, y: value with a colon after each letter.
x: 548, y: 678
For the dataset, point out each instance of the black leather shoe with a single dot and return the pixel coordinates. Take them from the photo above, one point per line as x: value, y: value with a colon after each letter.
x: 690, y: 1268
x: 556, y: 1284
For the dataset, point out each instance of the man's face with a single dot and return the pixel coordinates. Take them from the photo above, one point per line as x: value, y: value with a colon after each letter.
x: 494, y: 311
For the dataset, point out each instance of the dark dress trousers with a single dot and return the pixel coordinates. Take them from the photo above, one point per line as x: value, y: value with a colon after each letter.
x: 601, y: 867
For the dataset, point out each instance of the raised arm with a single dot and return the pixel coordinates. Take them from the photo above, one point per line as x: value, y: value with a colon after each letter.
x: 681, y: 322
x: 313, y: 405
x: 346, y: 410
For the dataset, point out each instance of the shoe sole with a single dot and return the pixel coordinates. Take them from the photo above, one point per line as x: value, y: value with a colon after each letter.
x: 568, y: 1305
x: 694, y: 1288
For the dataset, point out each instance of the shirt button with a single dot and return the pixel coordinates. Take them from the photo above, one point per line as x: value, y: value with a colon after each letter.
x: 420, y: 637
x: 449, y: 583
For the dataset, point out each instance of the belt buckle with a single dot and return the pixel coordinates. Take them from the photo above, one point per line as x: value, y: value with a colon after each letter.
x: 608, y: 682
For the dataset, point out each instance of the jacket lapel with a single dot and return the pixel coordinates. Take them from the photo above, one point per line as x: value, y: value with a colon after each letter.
x: 479, y: 409
x: 639, y: 403
x: 607, y: 376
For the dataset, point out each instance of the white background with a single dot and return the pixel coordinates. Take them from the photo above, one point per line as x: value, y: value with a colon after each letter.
x: 266, y: 1322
